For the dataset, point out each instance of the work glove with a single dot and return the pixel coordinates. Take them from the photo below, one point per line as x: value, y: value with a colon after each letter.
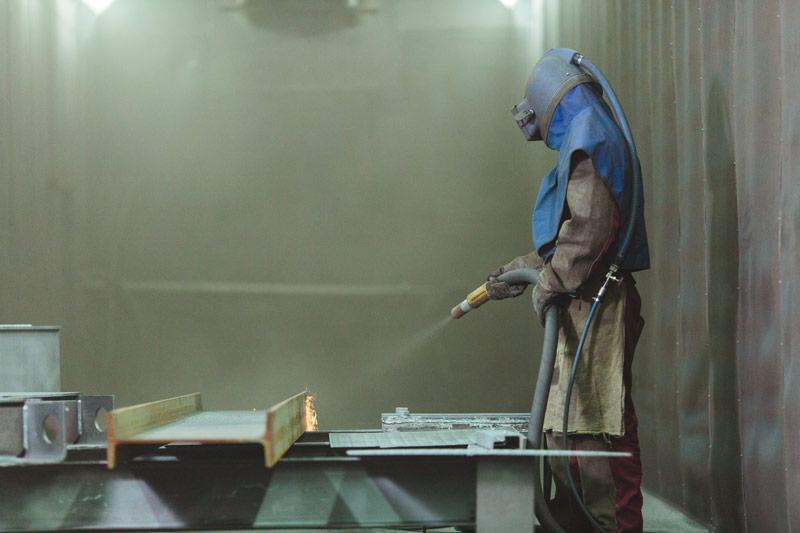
x: 500, y: 290
x: 543, y: 299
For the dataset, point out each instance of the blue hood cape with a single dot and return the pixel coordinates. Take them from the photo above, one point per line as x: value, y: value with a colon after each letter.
x: 583, y: 121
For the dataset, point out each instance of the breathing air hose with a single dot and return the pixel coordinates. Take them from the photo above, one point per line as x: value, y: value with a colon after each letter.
x: 580, y: 61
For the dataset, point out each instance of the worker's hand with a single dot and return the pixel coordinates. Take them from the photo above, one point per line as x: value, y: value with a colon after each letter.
x: 500, y: 290
x: 524, y: 261
x: 542, y: 300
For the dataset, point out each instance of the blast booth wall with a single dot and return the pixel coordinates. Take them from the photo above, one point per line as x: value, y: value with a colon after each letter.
x: 245, y: 198
x: 710, y: 90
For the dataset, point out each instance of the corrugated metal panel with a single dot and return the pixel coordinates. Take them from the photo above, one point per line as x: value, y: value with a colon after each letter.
x: 757, y: 96
x: 692, y: 326
x: 661, y: 312
x: 790, y: 250
x: 679, y: 69
x: 722, y: 262
x: 640, y: 111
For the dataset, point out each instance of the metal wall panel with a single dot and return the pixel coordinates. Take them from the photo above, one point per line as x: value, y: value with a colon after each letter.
x: 692, y: 339
x: 662, y: 283
x: 722, y: 255
x: 790, y: 250
x: 640, y: 111
x: 710, y: 91
x: 757, y: 96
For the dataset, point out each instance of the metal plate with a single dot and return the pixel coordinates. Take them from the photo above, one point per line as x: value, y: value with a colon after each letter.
x: 404, y: 439
x: 30, y: 359
x: 404, y: 421
x: 478, y: 451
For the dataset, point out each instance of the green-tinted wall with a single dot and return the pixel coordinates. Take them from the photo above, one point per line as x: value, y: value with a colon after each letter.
x: 244, y: 199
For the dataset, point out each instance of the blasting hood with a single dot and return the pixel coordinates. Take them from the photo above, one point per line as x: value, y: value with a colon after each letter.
x: 552, y: 78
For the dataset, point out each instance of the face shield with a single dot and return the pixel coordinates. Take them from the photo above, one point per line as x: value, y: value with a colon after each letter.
x: 527, y: 121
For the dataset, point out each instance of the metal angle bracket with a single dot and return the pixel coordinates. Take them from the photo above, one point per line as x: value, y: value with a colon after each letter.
x: 44, y: 431
x: 93, y: 412
x: 40, y: 427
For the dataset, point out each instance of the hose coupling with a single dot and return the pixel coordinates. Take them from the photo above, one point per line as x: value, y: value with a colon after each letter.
x: 610, y: 276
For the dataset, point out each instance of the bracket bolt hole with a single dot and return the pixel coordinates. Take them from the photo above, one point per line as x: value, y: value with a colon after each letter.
x: 100, y: 421
x: 49, y: 429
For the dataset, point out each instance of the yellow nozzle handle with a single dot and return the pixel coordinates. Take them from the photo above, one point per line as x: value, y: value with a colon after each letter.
x: 479, y: 296
x: 476, y: 298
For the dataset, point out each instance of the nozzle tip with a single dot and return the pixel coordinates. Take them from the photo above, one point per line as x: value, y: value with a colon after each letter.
x: 457, y: 312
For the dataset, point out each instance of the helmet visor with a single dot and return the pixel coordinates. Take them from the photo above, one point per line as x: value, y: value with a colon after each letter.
x: 527, y: 121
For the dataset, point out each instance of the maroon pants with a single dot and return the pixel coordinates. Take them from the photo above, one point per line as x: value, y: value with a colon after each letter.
x: 621, y: 476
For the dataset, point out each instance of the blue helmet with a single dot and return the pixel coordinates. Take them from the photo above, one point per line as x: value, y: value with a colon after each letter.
x: 551, y: 79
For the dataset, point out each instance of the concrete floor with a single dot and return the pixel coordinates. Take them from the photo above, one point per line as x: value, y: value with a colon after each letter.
x: 659, y: 517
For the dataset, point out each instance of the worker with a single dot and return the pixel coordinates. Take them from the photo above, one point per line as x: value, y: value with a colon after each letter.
x: 581, y: 207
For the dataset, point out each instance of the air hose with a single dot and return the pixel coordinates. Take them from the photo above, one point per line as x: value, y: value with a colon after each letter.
x: 580, y: 61
x: 540, y: 394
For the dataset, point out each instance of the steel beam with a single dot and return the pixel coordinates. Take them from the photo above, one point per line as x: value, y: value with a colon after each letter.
x: 182, y: 419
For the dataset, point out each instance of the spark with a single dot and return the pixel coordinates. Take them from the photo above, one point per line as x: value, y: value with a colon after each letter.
x: 311, y: 412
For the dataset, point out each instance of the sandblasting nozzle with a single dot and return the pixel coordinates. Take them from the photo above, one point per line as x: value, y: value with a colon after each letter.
x: 475, y: 299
